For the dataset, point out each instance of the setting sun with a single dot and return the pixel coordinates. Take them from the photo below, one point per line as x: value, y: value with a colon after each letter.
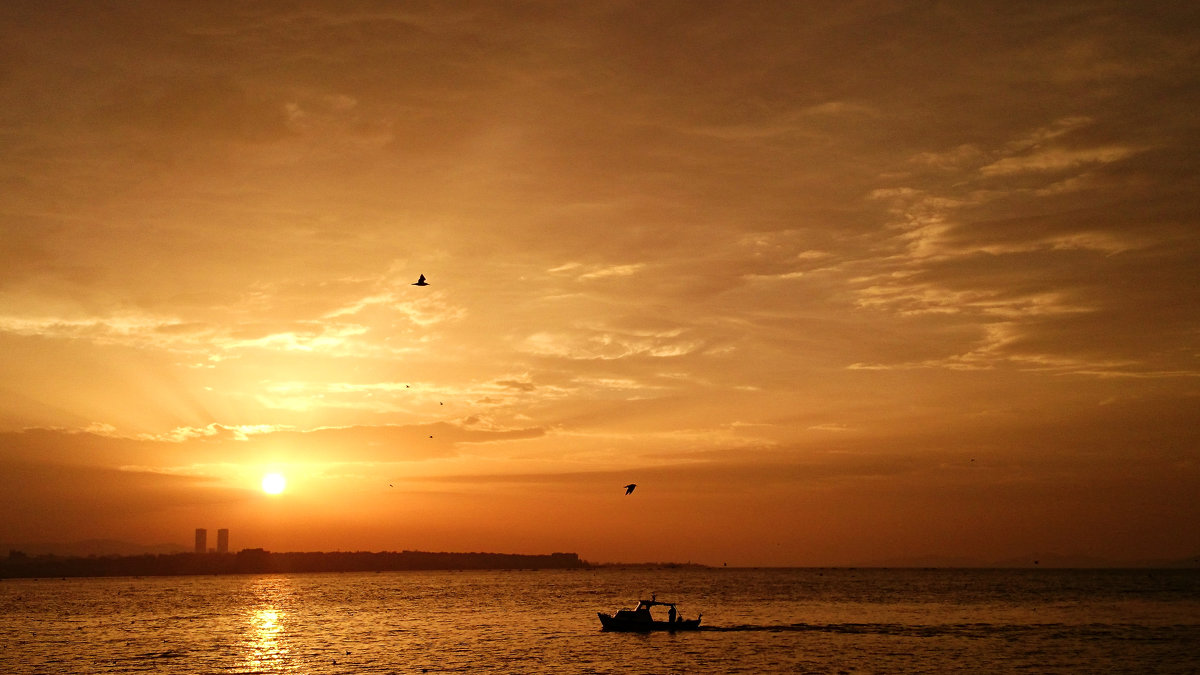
x: 273, y: 483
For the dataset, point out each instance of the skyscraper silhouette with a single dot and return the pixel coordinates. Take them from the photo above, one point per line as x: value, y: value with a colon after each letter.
x: 201, y: 540
x: 223, y: 540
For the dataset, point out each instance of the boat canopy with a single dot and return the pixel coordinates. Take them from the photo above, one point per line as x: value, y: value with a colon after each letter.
x: 654, y: 603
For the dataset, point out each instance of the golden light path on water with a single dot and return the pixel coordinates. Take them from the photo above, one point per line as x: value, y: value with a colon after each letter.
x: 266, y: 647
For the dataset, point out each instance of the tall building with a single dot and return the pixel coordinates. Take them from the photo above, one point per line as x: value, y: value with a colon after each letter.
x: 201, y: 540
x: 223, y: 540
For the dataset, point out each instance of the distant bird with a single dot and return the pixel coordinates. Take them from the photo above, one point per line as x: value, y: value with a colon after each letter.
x: 629, y: 488
x: 420, y: 282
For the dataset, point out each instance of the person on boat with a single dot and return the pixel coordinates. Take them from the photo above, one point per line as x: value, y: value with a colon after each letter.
x: 671, y: 614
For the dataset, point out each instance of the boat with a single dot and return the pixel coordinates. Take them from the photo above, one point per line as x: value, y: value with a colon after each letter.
x: 640, y: 618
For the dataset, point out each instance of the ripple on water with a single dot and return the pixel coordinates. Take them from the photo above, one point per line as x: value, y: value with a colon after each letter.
x: 754, y: 621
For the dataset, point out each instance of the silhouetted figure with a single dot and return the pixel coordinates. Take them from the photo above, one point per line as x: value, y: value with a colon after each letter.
x: 671, y: 614
x: 421, y: 281
x: 629, y: 488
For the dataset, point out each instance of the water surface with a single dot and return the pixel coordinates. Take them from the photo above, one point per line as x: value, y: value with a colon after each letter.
x: 798, y: 620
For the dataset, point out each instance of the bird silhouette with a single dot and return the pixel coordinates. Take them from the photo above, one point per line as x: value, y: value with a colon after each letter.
x: 420, y: 282
x: 629, y: 488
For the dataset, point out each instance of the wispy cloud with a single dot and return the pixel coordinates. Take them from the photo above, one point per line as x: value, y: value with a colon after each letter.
x: 582, y: 272
x: 1056, y: 160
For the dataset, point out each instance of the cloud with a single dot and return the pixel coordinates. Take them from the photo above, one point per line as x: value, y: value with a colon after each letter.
x: 69, y: 492
x: 1005, y: 238
x: 517, y: 385
x: 1008, y: 447
x: 592, y: 272
x: 589, y: 343
x: 220, y: 444
x: 1057, y: 160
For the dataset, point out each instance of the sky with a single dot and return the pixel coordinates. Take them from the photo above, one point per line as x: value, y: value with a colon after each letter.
x: 831, y: 282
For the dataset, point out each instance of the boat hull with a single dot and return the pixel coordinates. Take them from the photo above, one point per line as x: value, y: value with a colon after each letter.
x: 613, y: 623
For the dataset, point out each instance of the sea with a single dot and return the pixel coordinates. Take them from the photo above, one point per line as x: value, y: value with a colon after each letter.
x: 540, y: 621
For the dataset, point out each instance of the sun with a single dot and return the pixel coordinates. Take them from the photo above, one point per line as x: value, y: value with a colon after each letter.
x: 273, y: 483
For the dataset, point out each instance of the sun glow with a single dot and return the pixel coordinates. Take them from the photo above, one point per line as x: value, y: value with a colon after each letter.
x: 273, y: 483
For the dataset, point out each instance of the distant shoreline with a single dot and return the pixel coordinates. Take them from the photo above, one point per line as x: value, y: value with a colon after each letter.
x: 18, y: 565
x: 258, y: 561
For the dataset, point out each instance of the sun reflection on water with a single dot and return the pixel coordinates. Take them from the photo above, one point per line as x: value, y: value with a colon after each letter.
x: 266, y: 645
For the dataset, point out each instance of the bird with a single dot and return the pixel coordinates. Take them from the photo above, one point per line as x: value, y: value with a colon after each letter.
x: 629, y: 488
x: 420, y: 282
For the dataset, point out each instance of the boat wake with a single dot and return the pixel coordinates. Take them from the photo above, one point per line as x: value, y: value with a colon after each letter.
x: 169, y: 654
x: 965, y: 630
x: 810, y: 627
x: 870, y: 628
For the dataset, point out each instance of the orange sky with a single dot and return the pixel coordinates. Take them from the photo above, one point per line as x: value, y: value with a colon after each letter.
x: 833, y: 283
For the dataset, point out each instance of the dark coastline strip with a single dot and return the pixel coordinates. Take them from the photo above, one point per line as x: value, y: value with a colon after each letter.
x: 258, y: 561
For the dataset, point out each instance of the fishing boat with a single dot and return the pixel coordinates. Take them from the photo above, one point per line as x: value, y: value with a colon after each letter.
x: 641, y: 619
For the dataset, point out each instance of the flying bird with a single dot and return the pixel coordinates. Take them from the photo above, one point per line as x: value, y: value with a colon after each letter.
x: 420, y: 282
x: 629, y: 488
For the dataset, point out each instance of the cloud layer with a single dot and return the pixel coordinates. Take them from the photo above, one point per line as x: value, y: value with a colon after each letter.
x: 802, y: 251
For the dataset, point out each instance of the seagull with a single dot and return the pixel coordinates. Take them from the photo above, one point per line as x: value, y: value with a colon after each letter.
x: 420, y: 282
x: 629, y: 488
